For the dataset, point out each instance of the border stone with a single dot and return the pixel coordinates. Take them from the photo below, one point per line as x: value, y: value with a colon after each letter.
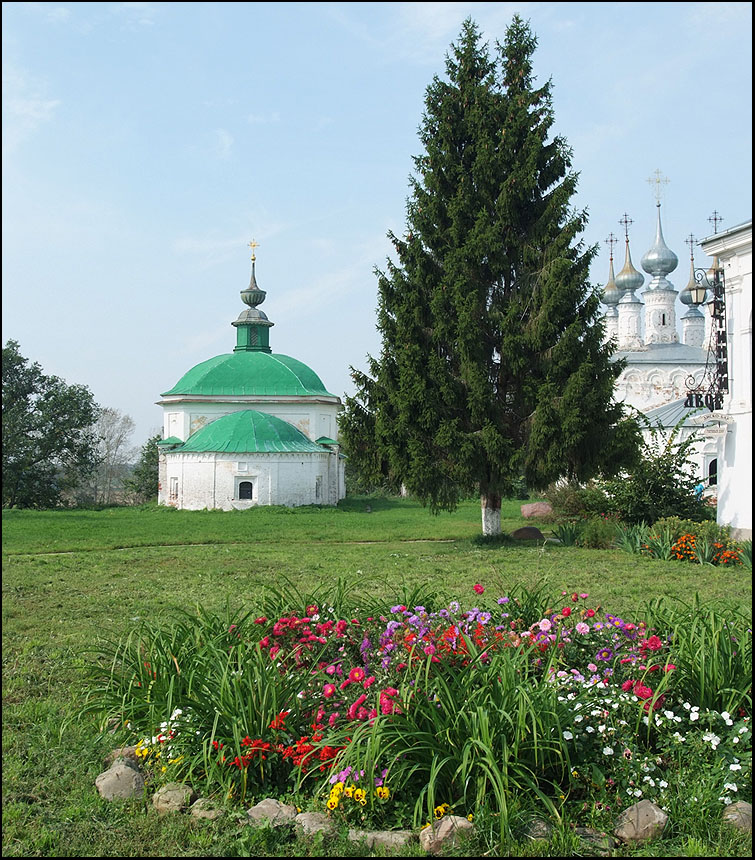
x: 444, y: 833
x: 528, y: 533
x: 314, y: 822
x: 203, y: 807
x: 739, y: 815
x: 390, y: 840
x: 173, y: 797
x: 271, y: 810
x: 640, y: 822
x: 120, y: 782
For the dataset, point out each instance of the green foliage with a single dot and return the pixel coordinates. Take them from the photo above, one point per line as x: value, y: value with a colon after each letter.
x: 571, y: 499
x: 598, y: 532
x: 144, y: 478
x: 569, y: 532
x: 49, y: 441
x: 746, y: 553
x: 633, y: 538
x: 713, y: 652
x: 662, y: 483
x: 710, y: 530
x: 493, y: 364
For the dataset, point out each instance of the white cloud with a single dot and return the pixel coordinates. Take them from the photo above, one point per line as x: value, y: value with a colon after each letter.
x: 26, y: 106
x: 263, y: 119
x: 223, y: 143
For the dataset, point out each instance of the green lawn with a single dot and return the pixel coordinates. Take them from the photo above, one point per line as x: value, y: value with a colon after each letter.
x: 72, y: 578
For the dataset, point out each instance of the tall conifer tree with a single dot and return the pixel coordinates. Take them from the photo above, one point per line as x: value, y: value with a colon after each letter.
x: 493, y: 364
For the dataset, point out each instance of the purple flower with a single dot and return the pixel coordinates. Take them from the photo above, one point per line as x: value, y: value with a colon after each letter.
x: 605, y: 654
x: 502, y: 600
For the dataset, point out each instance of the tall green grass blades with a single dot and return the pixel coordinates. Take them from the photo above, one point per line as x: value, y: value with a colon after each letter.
x: 568, y: 533
x: 632, y: 538
x: 659, y: 544
x: 712, y: 652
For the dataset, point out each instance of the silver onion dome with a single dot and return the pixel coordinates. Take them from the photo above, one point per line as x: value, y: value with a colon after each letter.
x: 629, y: 279
x: 660, y: 260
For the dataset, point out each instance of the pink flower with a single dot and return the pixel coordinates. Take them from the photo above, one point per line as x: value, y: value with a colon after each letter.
x: 330, y: 670
x: 582, y: 628
x: 591, y: 667
x: 478, y: 589
x: 545, y: 625
x: 584, y: 595
x: 642, y: 691
x: 429, y: 649
x: 328, y: 690
x: 669, y: 667
x: 369, y: 682
x: 356, y: 675
x: 627, y: 685
x: 332, y: 718
x: 261, y: 620
x: 566, y: 611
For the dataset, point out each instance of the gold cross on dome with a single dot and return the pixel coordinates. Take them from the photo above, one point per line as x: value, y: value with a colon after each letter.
x: 625, y: 221
x: 690, y: 240
x: 253, y: 245
x: 611, y: 241
x: 659, y: 181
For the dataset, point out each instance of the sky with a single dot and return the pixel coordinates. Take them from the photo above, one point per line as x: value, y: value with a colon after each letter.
x: 145, y: 144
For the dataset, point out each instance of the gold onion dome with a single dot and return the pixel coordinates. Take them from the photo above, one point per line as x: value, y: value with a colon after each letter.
x: 629, y: 279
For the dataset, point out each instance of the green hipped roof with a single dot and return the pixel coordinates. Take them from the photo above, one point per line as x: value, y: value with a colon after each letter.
x: 248, y: 373
x: 249, y: 432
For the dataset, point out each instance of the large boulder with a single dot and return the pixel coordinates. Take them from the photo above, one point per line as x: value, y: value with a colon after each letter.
x: 640, y: 822
x: 528, y: 533
x: 120, y: 782
x: 536, y: 509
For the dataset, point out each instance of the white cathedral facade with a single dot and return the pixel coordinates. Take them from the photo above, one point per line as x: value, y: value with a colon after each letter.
x: 662, y: 367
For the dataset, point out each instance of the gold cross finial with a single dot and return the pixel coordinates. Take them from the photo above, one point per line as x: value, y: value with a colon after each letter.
x: 625, y: 221
x: 253, y: 245
x: 611, y: 241
x: 690, y: 240
x: 659, y: 181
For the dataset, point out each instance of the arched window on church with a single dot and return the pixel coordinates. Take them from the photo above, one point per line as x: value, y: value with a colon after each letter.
x: 245, y: 490
x: 713, y: 473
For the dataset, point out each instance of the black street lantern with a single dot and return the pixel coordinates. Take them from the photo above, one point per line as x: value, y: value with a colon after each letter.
x: 709, y: 391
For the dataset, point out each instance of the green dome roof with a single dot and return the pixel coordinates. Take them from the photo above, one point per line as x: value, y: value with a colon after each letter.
x: 249, y: 431
x: 248, y: 373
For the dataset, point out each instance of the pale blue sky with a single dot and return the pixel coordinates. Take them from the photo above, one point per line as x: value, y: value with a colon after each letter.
x: 144, y: 144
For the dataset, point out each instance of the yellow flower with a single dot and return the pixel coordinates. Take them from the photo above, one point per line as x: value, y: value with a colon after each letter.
x: 349, y: 790
x: 332, y: 802
x: 426, y: 825
x: 360, y: 795
x: 383, y: 792
x: 163, y: 768
x: 470, y: 817
x: 439, y: 812
x: 337, y: 788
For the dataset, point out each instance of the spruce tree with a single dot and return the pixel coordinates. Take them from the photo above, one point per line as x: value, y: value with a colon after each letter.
x: 492, y: 363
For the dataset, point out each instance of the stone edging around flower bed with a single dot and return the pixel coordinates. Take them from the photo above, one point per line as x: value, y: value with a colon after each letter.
x: 638, y: 823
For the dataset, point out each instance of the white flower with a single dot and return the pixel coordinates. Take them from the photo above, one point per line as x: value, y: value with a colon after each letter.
x: 725, y: 715
x: 669, y: 715
x: 637, y: 792
x: 695, y: 707
x: 662, y: 783
x: 694, y: 716
x: 735, y: 740
x: 730, y: 786
x: 679, y: 737
x: 589, y: 729
x: 686, y: 705
x: 677, y: 719
x: 578, y: 718
x: 601, y: 729
x: 743, y: 730
x: 608, y: 751
x: 735, y: 767
x: 568, y: 736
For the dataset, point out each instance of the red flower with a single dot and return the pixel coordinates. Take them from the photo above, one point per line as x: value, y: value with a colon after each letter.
x: 478, y: 589
x: 566, y: 611
x: 589, y: 613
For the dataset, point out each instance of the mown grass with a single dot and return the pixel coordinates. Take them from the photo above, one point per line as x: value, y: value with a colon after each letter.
x: 72, y: 578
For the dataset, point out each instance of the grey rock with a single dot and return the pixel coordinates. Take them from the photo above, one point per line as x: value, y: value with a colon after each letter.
x: 173, y: 797
x: 388, y: 839
x: 528, y: 533
x: 739, y: 815
x: 120, y: 782
x: 539, y: 829
x: 314, y: 822
x: 601, y: 843
x: 204, y: 808
x: 640, y: 822
x: 445, y: 833
x: 271, y: 810
x: 536, y: 509
x: 125, y: 754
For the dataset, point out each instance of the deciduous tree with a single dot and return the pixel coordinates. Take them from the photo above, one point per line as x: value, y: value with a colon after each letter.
x: 49, y: 439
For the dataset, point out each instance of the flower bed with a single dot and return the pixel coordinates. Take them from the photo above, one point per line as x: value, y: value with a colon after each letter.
x: 393, y: 717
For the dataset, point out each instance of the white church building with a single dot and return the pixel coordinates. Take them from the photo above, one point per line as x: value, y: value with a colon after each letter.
x: 661, y: 368
x: 250, y: 427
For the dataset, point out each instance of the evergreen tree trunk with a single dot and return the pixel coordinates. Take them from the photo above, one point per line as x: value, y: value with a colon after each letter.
x: 491, y: 513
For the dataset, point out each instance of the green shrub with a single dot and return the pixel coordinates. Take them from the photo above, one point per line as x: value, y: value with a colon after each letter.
x: 569, y: 532
x: 598, y: 532
x: 662, y: 484
x: 632, y: 538
x: 572, y: 499
x: 708, y: 530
